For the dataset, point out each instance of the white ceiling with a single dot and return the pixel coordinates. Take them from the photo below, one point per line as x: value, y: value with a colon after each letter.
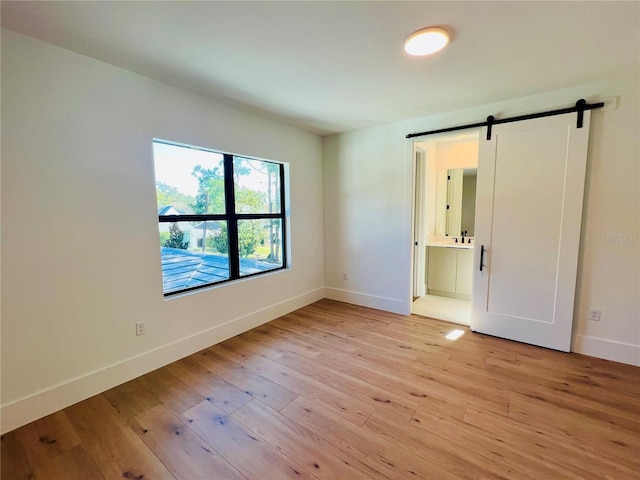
x: 334, y: 66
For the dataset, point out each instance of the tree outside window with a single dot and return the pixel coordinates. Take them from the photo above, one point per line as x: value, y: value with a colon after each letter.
x: 217, y: 206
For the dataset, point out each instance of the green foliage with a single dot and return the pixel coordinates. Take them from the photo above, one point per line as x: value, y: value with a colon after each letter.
x: 273, y: 175
x: 249, y: 201
x: 164, y: 237
x: 176, y: 237
x: 211, y: 244
x: 210, y: 197
x: 274, y: 243
x: 221, y: 241
x: 171, y: 196
x: 250, y: 235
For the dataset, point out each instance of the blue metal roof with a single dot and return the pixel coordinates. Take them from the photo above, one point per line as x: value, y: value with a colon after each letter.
x: 185, y: 269
x: 169, y: 210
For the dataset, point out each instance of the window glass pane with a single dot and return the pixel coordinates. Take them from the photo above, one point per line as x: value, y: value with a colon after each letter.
x: 259, y: 245
x: 188, y: 180
x: 257, y: 186
x: 193, y: 254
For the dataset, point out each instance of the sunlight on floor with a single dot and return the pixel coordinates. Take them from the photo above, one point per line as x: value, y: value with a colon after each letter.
x: 454, y: 334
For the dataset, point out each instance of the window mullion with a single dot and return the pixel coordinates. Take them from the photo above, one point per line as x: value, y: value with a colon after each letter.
x: 232, y: 220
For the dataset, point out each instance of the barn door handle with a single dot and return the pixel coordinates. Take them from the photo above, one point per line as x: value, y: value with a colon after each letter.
x: 481, y: 257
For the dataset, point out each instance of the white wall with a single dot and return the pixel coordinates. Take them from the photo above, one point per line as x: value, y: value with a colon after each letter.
x: 462, y: 154
x: 367, y: 227
x: 368, y: 202
x: 80, y: 256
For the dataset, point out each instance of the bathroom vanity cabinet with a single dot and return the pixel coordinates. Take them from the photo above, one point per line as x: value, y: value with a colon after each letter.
x: 449, y: 271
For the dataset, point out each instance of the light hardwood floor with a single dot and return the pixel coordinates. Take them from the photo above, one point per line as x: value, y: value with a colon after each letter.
x: 335, y: 391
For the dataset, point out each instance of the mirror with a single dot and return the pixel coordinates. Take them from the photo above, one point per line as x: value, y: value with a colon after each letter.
x: 456, y: 202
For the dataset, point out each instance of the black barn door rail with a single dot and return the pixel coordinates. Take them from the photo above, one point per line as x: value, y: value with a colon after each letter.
x: 580, y: 107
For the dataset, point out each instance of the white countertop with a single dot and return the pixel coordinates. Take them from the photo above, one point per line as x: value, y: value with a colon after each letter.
x: 450, y: 245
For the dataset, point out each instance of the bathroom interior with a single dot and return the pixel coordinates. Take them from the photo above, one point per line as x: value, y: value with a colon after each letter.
x: 445, y: 197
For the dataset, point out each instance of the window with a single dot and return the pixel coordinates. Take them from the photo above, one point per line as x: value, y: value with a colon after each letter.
x: 221, y: 216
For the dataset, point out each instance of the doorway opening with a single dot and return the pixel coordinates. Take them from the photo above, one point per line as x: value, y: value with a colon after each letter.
x: 445, y: 172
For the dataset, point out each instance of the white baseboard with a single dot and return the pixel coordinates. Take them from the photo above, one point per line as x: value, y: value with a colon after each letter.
x: 366, y: 300
x: 37, y: 405
x: 607, y: 349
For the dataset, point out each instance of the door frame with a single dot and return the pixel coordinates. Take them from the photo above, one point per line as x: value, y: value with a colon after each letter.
x: 414, y: 193
x: 419, y: 240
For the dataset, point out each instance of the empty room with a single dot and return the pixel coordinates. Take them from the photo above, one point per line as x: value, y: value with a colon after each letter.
x: 320, y: 240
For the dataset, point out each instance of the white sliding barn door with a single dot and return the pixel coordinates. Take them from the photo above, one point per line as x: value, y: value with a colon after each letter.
x: 528, y: 215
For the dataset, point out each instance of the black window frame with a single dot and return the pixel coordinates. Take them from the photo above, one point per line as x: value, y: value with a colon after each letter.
x: 232, y: 218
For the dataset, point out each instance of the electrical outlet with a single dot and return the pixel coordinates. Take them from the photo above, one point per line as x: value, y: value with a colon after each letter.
x: 345, y: 276
x: 594, y: 314
x: 140, y: 328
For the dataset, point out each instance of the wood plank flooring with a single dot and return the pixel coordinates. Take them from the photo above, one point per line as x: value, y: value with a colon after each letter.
x: 336, y: 391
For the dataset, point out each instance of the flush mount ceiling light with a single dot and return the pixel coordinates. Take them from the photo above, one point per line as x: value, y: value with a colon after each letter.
x: 426, y: 41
